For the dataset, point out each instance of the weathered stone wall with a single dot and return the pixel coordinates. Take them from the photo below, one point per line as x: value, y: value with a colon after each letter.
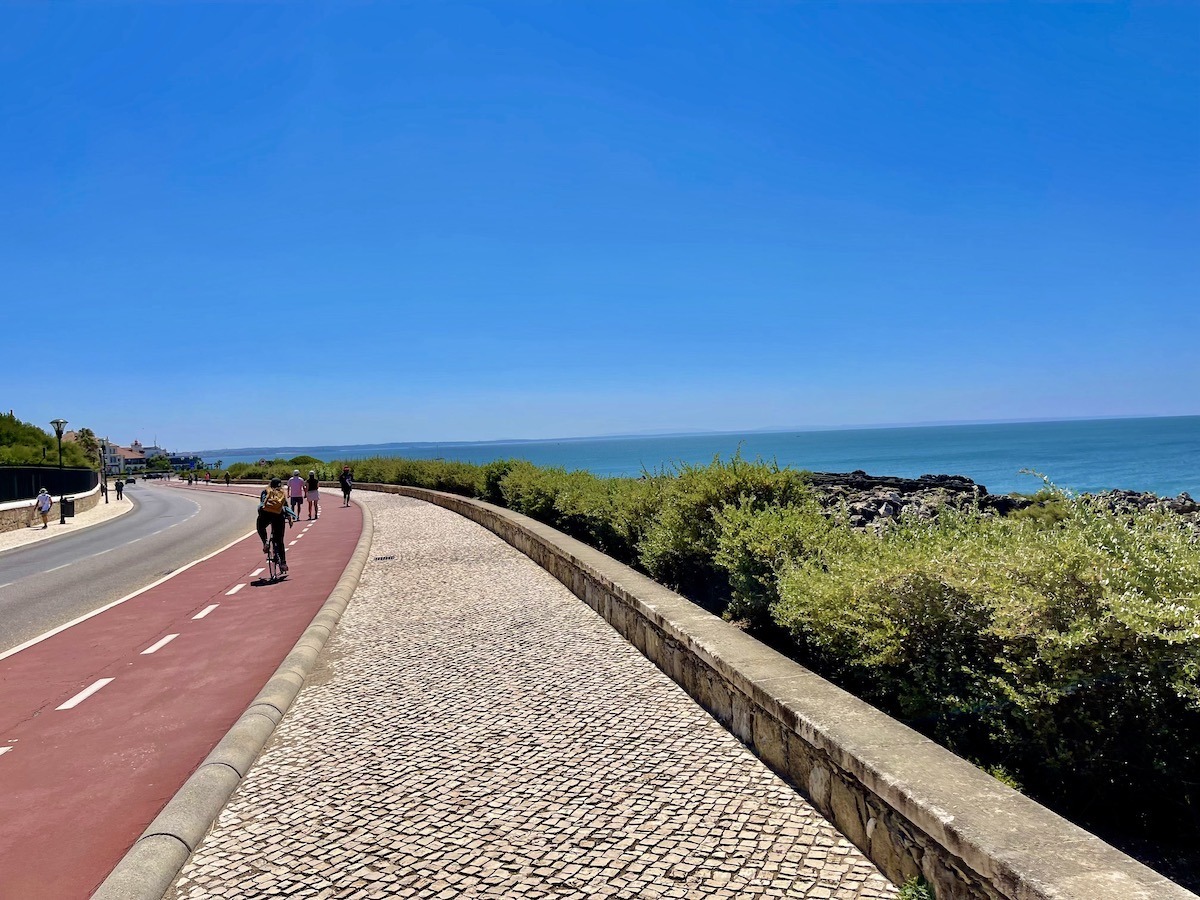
x: 910, y: 805
x: 21, y: 513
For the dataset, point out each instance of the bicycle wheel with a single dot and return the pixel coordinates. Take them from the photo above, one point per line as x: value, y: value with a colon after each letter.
x: 272, y: 565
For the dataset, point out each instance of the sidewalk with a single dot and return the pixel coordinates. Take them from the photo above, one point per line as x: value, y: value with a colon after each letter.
x: 474, y: 730
x: 102, y: 512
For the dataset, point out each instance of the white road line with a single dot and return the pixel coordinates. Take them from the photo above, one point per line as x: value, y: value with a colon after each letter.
x: 253, y: 574
x: 4, y: 750
x: 85, y: 693
x: 95, y: 612
x: 234, y: 590
x: 204, y: 612
x: 292, y: 543
x: 56, y: 568
x: 158, y: 646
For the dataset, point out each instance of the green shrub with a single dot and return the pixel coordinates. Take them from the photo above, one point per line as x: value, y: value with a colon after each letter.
x: 679, y: 545
x: 635, y: 502
x: 1067, y: 653
x: 755, y: 545
x: 531, y: 490
x: 916, y: 888
x: 492, y: 476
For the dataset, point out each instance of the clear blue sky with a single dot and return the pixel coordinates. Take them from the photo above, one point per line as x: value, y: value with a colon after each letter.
x: 229, y: 224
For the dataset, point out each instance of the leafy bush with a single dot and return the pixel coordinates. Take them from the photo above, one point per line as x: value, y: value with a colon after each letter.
x: 680, y: 543
x: 435, y: 474
x: 756, y: 544
x: 916, y: 888
x: 1067, y: 653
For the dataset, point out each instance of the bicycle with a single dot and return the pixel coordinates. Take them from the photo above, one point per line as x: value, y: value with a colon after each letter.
x: 273, y: 573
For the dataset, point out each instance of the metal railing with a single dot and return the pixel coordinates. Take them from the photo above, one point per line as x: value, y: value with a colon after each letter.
x: 24, y: 482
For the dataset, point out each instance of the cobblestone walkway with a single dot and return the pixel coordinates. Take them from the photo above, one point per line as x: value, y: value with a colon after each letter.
x: 476, y: 731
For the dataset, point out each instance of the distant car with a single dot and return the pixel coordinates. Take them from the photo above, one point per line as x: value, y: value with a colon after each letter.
x: 150, y: 475
x: 130, y: 480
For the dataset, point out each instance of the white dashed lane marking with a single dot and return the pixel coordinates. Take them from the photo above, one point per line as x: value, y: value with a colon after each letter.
x: 234, y: 590
x: 204, y: 612
x: 4, y: 750
x: 256, y: 572
x: 159, y: 645
x: 85, y: 693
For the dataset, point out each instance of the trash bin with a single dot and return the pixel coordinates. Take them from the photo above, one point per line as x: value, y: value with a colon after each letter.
x: 68, y: 506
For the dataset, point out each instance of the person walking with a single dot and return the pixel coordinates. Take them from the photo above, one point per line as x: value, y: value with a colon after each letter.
x: 42, y: 505
x: 120, y: 485
x: 346, y: 480
x: 226, y: 479
x: 313, y: 492
x: 296, y: 491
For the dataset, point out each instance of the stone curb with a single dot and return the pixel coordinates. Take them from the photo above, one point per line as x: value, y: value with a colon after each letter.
x: 150, y: 867
x: 910, y: 805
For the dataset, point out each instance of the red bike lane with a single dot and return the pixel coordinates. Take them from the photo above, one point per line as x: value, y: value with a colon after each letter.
x: 101, y: 723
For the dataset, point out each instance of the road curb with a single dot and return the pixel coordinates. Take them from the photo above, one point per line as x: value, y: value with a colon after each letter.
x: 150, y: 867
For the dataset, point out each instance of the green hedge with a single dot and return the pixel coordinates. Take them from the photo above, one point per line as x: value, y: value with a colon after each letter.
x: 1065, y: 654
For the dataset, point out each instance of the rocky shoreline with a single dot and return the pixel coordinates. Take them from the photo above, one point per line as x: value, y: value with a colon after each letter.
x: 872, y: 501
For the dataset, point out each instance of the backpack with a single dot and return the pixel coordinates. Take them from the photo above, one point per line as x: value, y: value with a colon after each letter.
x: 273, y: 503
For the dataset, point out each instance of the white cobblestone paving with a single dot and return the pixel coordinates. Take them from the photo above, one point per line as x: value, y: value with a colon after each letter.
x: 476, y: 731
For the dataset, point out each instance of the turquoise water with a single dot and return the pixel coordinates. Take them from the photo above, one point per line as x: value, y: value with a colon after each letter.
x: 1159, y: 454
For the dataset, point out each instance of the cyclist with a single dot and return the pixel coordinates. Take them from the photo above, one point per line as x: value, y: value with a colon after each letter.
x: 274, y: 511
x: 346, y: 481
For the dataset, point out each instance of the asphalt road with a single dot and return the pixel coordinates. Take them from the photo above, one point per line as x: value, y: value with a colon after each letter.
x: 52, y: 582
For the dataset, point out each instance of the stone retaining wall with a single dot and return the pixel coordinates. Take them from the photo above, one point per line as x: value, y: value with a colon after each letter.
x: 910, y: 805
x: 20, y: 513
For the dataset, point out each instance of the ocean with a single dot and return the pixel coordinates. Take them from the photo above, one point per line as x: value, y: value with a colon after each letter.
x: 1153, y: 454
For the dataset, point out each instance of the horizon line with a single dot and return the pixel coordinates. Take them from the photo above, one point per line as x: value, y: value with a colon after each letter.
x: 700, y: 433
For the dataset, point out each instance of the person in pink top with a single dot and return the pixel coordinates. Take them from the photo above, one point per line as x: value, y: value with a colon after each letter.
x: 296, y: 491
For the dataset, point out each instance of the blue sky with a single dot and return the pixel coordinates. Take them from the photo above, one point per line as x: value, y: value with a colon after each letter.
x: 229, y: 224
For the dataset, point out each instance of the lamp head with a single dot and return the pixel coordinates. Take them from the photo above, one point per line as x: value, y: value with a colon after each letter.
x: 59, y: 425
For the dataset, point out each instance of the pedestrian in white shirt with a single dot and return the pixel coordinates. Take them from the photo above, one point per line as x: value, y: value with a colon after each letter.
x: 296, y: 491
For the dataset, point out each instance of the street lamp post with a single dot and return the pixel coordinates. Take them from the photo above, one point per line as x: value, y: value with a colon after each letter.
x: 104, y: 467
x: 59, y: 425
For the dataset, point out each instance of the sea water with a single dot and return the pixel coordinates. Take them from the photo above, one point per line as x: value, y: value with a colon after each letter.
x: 1153, y: 454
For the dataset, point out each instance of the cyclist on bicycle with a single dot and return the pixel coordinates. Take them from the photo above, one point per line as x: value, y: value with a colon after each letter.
x: 274, y: 511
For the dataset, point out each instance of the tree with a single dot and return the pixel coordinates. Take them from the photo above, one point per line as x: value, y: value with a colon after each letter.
x: 86, y: 439
x: 158, y: 464
x: 23, y: 444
